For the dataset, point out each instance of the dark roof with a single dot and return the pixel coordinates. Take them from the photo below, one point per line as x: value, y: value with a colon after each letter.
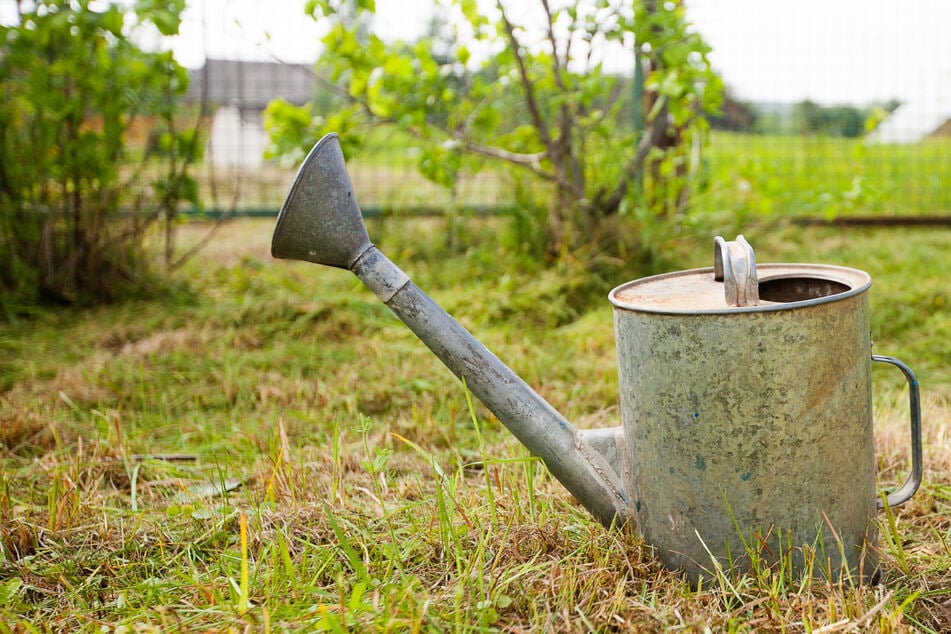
x: 251, y: 84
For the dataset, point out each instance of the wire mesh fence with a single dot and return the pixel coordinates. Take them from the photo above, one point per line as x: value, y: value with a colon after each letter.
x: 860, y: 154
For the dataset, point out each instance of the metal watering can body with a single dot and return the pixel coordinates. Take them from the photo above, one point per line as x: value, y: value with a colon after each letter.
x: 748, y: 417
x: 747, y: 427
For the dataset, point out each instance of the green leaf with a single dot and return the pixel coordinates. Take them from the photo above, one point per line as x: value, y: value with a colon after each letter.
x: 470, y: 9
x: 112, y: 21
x: 8, y: 591
x: 164, y: 14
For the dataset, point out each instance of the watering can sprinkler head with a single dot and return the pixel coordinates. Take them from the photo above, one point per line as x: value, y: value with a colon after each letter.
x: 320, y: 221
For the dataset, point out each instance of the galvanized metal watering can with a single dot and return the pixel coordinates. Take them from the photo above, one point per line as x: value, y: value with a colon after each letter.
x: 745, y: 396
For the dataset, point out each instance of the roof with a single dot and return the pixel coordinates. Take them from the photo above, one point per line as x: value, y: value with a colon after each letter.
x: 251, y: 84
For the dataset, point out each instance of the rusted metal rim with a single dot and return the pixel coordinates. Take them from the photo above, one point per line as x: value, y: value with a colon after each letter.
x: 695, y: 292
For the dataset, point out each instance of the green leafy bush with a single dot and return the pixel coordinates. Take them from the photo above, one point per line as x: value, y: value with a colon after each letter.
x: 75, y: 199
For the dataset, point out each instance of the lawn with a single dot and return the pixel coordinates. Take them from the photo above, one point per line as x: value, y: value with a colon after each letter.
x: 824, y: 177
x: 266, y: 448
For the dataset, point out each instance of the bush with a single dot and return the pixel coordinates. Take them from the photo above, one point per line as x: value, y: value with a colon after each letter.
x: 74, y: 201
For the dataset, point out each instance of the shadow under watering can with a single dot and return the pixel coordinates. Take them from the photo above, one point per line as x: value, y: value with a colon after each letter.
x: 745, y: 394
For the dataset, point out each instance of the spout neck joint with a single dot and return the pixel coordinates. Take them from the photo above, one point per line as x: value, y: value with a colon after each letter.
x: 379, y: 274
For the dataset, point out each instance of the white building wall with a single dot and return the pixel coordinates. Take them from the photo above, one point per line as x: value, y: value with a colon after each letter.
x: 237, y: 138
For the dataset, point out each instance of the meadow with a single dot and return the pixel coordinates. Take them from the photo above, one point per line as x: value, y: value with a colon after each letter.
x: 753, y: 176
x: 264, y: 447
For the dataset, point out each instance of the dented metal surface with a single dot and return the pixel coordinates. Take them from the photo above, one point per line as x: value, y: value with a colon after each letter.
x: 749, y: 426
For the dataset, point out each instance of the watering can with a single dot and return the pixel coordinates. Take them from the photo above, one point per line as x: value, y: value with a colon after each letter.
x: 745, y: 396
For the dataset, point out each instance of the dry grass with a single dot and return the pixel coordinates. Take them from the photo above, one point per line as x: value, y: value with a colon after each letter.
x: 277, y: 453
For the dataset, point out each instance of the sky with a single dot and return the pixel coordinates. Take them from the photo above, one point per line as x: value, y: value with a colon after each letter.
x: 830, y: 51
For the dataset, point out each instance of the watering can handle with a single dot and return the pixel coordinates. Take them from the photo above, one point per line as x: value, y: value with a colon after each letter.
x: 735, y: 265
x: 913, y: 481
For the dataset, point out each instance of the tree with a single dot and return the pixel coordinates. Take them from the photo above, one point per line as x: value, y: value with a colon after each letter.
x: 534, y: 95
x: 74, y: 198
x: 841, y: 121
x: 735, y: 115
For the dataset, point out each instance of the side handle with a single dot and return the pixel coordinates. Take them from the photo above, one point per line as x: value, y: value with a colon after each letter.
x: 913, y: 481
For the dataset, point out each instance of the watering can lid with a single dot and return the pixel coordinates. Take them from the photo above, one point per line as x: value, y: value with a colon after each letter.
x: 736, y: 284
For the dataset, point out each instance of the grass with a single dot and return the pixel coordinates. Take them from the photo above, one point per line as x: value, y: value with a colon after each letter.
x: 823, y: 177
x: 268, y: 449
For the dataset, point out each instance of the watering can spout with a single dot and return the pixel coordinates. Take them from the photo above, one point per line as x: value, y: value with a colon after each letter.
x: 321, y: 222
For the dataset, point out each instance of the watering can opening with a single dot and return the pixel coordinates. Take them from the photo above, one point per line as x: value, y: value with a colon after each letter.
x: 797, y: 289
x: 777, y: 287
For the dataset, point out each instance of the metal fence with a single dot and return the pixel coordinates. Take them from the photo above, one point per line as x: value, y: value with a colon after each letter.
x: 888, y: 157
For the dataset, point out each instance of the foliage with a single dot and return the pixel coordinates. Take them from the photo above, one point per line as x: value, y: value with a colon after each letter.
x: 71, y: 199
x: 812, y: 118
x: 808, y: 118
x: 535, y: 96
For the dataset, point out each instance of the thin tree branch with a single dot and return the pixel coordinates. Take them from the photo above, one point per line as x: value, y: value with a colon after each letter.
x: 566, y: 117
x: 191, y: 153
x: 530, y: 161
x: 205, y: 239
x: 537, y: 119
x: 556, y: 62
x: 609, y: 204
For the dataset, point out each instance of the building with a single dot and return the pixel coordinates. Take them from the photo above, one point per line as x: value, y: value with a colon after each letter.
x: 236, y: 93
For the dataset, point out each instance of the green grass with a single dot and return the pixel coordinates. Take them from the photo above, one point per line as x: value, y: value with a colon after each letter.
x: 823, y: 177
x: 272, y: 451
